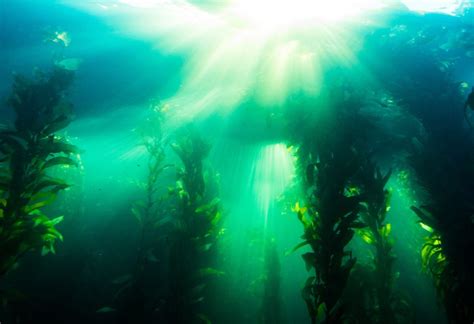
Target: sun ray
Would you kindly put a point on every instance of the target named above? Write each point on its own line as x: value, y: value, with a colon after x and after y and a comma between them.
x: 259, y: 50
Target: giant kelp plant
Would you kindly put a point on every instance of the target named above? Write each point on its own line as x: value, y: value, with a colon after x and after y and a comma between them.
x: 374, y: 212
x: 330, y: 162
x: 329, y: 222
x: 344, y: 193
x: 441, y: 159
x: 150, y: 212
x: 386, y: 304
x: 442, y: 162
x: 447, y: 213
x: 193, y: 241
x: 133, y: 302
x: 28, y: 151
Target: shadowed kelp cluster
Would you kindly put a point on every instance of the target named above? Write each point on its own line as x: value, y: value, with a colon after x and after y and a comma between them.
x: 440, y: 158
x: 29, y: 151
x: 446, y: 211
x: 386, y: 304
x: 328, y: 228
x: 193, y: 247
x: 181, y: 224
x: 345, y: 194
x: 272, y: 302
x: 133, y: 301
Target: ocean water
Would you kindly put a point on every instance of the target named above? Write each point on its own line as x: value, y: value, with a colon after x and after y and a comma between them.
x: 236, y: 161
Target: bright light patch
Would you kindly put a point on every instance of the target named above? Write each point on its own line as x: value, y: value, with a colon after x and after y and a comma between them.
x: 426, y: 227
x: 442, y: 6
x: 139, y: 3
x: 299, y: 12
x: 240, y: 50
x: 272, y: 173
x: 261, y: 50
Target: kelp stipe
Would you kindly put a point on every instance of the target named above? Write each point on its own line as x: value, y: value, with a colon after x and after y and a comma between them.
x: 193, y: 241
x: 447, y: 215
x: 388, y: 305
x: 272, y: 305
x: 150, y: 212
x: 133, y: 305
x: 27, y: 152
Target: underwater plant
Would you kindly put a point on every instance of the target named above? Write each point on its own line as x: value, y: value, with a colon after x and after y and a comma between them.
x: 329, y: 222
x: 28, y: 151
x: 331, y: 151
x: 131, y: 301
x: 271, y: 308
x: 193, y: 241
x: 328, y: 162
x: 373, y: 212
x: 150, y: 212
x: 441, y: 159
x: 447, y: 215
x: 388, y: 305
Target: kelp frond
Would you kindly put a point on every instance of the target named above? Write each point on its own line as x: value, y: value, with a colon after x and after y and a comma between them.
x: 27, y: 153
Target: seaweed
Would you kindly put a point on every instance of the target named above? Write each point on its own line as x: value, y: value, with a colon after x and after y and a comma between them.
x: 388, y: 305
x: 377, y: 234
x: 28, y: 151
x: 329, y: 222
x: 444, y: 173
x: 359, y: 294
x: 194, y: 238
x: 442, y: 161
x: 331, y: 156
x: 151, y: 212
x: 330, y: 216
x: 131, y: 302
x: 271, y: 308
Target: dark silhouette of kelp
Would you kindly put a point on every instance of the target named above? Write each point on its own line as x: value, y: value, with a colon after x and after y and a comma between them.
x: 194, y: 238
x: 444, y: 172
x: 132, y: 302
x: 329, y: 222
x: 441, y: 158
x: 387, y: 304
x: 272, y: 305
x: 329, y: 162
x: 345, y: 193
x: 28, y: 151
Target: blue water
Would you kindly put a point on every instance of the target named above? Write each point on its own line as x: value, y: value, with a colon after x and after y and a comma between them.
x: 243, y: 85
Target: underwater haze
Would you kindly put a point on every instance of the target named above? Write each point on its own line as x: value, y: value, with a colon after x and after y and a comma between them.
x: 236, y: 161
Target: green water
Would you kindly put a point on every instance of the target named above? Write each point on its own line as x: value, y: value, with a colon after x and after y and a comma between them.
x: 231, y: 161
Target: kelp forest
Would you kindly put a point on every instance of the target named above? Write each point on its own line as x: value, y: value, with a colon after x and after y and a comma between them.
x: 223, y: 162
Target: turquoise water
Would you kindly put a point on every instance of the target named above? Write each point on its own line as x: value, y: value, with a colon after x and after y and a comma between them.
x: 254, y: 113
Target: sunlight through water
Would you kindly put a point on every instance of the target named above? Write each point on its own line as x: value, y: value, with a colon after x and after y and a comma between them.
x: 240, y: 50
x: 265, y: 51
x: 272, y: 172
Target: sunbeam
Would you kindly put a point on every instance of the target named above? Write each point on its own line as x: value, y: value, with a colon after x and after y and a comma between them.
x: 265, y: 51
x: 242, y: 50
x: 272, y: 173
